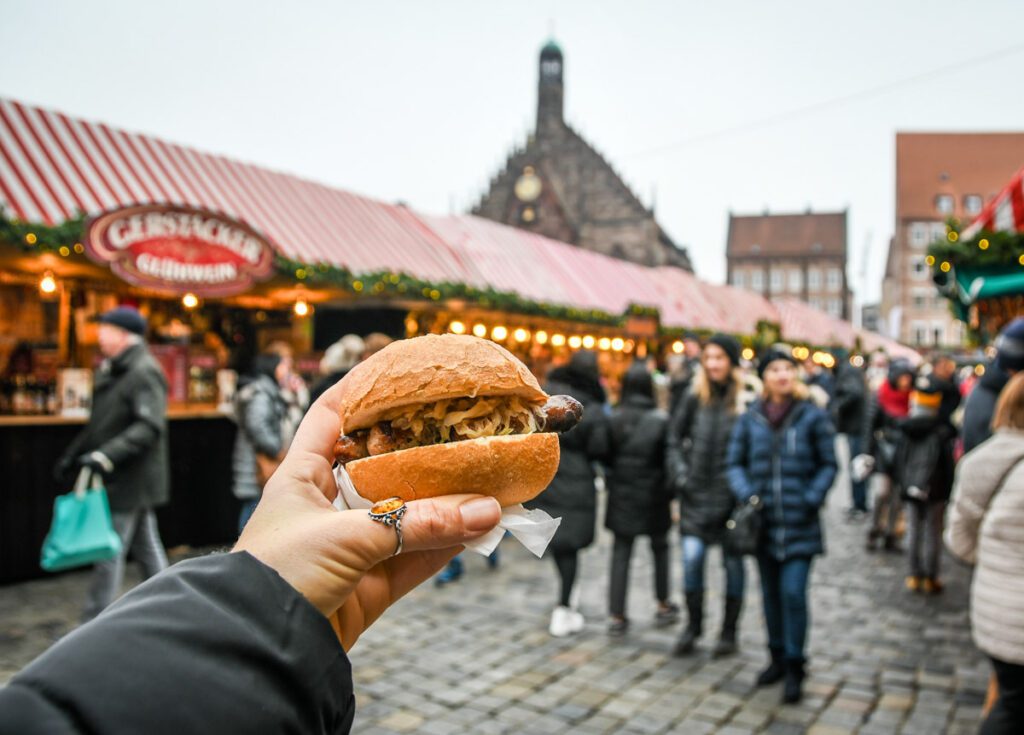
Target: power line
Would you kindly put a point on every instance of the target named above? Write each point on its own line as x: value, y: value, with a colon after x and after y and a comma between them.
x: 833, y: 102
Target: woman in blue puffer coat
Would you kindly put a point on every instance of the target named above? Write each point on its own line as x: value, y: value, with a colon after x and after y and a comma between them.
x: 782, y: 451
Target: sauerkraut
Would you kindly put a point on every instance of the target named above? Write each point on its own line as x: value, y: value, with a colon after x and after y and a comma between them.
x: 462, y: 418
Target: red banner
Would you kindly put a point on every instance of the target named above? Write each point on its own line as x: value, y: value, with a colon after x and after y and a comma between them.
x: 179, y: 249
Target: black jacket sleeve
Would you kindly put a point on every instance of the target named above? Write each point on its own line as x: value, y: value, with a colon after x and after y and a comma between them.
x: 679, y: 426
x: 220, y: 644
x: 149, y: 419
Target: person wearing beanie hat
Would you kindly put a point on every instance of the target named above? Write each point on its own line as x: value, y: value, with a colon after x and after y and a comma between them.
x: 878, y: 442
x: 782, y: 452
x: 773, y: 354
x: 125, y: 442
x: 980, y: 406
x: 698, y: 437
x: 339, y: 358
x: 924, y: 470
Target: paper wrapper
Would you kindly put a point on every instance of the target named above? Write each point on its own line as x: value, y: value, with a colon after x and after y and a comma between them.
x: 534, y: 529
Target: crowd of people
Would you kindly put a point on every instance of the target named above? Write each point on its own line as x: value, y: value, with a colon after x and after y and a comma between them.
x: 714, y: 438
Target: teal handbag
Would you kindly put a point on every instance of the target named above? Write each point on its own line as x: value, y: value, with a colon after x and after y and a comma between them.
x: 81, y: 532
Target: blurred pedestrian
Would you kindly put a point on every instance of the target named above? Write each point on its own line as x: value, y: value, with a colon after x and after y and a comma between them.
x: 879, y: 440
x: 698, y: 439
x: 263, y: 430
x: 453, y: 570
x: 848, y: 407
x: 338, y: 359
x: 374, y: 343
x: 981, y: 402
x: 293, y: 390
x: 125, y: 441
x: 783, y: 450
x: 943, y: 377
x: 924, y: 471
x: 817, y: 377
x: 986, y: 528
x: 572, y: 495
x: 638, y: 498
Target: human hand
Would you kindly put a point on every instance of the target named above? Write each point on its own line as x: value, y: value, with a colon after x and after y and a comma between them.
x: 92, y: 462
x: 862, y: 466
x: 342, y: 561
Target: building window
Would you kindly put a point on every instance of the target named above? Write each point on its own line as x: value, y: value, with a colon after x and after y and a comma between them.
x: 776, y: 276
x: 835, y: 279
x: 757, y: 280
x: 919, y: 234
x: 972, y: 203
x: 795, y: 280
x: 922, y: 298
x: 938, y: 231
x: 835, y: 307
x: 919, y: 268
x: 813, y: 279
x: 737, y: 279
x: 919, y: 333
x: 944, y: 203
x: 938, y: 333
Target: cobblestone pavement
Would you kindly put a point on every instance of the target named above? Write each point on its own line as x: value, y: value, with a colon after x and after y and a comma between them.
x: 475, y: 656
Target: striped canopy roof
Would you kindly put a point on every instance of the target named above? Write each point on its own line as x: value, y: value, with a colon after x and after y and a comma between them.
x: 54, y: 167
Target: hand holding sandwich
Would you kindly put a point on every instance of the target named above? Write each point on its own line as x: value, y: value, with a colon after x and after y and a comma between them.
x: 342, y: 561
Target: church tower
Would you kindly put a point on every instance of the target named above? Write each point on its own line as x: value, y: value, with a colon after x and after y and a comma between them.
x: 550, y: 88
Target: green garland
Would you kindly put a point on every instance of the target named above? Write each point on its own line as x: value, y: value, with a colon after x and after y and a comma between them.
x: 43, y: 238
x: 986, y: 250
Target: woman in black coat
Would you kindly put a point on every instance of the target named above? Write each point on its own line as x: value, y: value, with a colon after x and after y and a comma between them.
x: 698, y: 439
x: 572, y: 496
x: 638, y: 502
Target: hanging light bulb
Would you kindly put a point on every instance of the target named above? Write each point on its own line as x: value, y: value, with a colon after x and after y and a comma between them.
x: 557, y: 340
x: 575, y: 341
x: 678, y: 347
x: 520, y: 335
x: 301, y: 308
x: 48, y: 284
x: 588, y: 341
x: 618, y: 343
x: 604, y: 343
x: 480, y: 330
x: 540, y: 336
x: 499, y: 333
x: 457, y: 328
x: 190, y: 301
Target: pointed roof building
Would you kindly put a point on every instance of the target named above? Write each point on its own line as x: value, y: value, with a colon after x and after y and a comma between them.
x: 559, y: 186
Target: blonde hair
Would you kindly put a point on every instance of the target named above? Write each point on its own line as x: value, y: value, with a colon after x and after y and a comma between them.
x: 734, y: 386
x: 1009, y: 412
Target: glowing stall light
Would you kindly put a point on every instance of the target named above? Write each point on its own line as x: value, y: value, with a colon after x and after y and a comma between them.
x: 301, y: 308
x: 457, y: 328
x: 190, y: 300
x: 541, y: 337
x: 480, y: 330
x: 575, y: 342
x: 557, y: 340
x: 678, y: 347
x: 48, y: 284
x: 618, y: 343
x: 521, y: 335
x: 499, y: 333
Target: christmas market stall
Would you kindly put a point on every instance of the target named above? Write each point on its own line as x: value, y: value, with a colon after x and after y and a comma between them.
x: 980, y: 269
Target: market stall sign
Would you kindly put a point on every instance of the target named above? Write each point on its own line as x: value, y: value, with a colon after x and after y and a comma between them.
x: 179, y: 249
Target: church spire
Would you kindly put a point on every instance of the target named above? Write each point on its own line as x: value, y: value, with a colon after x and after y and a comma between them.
x: 550, y: 87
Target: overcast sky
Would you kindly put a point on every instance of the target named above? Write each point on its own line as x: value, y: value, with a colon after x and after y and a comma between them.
x: 710, y: 105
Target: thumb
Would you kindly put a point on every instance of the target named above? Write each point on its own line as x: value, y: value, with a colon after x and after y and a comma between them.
x: 432, y: 523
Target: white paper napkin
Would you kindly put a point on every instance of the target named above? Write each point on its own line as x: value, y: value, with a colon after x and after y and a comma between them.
x: 534, y: 529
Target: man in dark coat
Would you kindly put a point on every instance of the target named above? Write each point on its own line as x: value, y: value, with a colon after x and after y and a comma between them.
x: 981, y: 403
x: 638, y: 499
x: 848, y: 408
x: 125, y: 441
x: 571, y: 495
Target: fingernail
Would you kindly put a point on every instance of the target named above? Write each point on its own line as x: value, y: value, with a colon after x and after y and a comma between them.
x: 480, y: 514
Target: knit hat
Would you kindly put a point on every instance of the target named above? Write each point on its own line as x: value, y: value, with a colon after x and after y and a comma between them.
x: 926, y: 397
x: 771, y: 356
x: 343, y: 354
x: 1010, y: 346
x: 127, y: 318
x: 730, y: 346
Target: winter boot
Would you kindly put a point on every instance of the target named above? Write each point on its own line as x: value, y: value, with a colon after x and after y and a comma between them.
x: 792, y: 689
x: 694, y: 626
x: 775, y: 670
x: 726, y: 645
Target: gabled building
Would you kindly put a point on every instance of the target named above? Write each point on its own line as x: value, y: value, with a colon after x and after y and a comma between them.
x: 559, y: 186
x: 938, y: 175
x: 795, y: 255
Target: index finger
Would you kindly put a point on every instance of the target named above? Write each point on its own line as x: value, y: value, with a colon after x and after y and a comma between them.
x: 320, y: 427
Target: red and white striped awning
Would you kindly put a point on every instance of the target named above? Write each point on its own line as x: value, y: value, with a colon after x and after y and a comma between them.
x: 1004, y: 213
x: 53, y: 167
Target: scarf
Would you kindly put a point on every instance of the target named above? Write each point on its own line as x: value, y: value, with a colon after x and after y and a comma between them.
x: 895, y: 403
x: 776, y: 412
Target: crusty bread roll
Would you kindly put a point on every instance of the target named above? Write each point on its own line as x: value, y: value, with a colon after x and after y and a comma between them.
x: 423, y: 370
x: 428, y: 369
x: 513, y: 469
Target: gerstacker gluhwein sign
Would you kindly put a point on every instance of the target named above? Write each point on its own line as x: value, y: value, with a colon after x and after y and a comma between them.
x: 179, y: 249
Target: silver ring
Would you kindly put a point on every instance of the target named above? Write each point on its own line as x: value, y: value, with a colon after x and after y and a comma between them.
x: 390, y: 512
